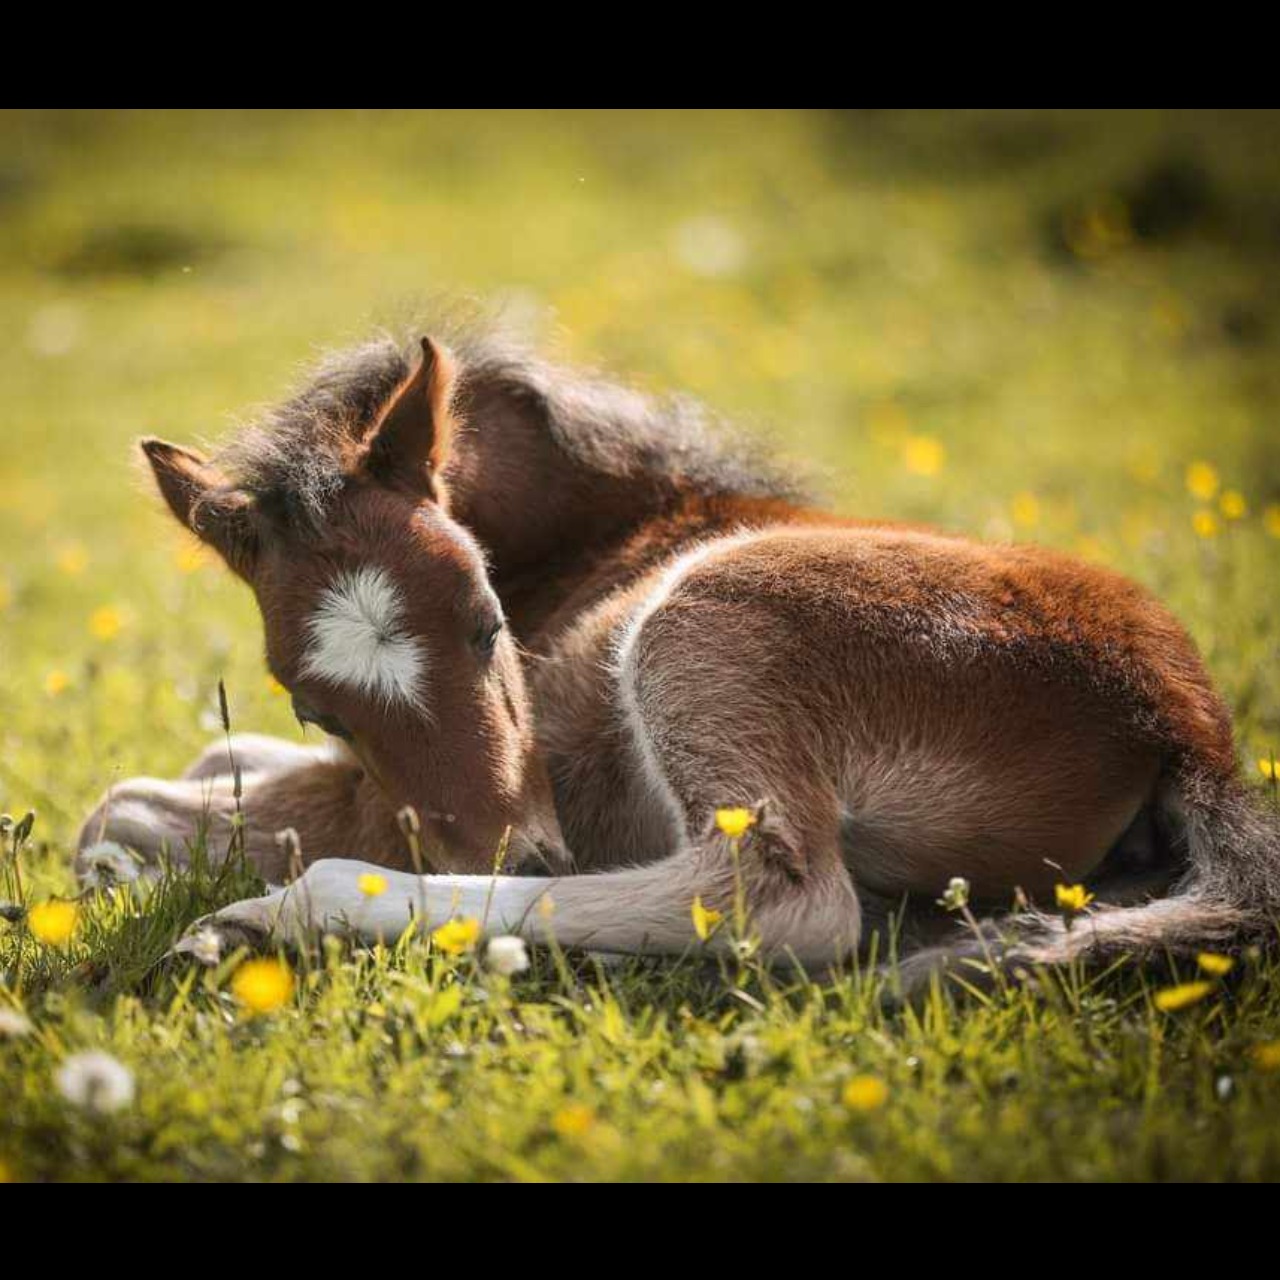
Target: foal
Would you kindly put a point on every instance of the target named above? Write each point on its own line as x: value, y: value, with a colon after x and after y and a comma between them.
x: 895, y: 707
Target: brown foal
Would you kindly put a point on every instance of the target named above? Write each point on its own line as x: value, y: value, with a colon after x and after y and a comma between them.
x: 525, y: 600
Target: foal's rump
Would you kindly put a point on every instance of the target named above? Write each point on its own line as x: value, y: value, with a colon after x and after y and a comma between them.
x: 919, y: 707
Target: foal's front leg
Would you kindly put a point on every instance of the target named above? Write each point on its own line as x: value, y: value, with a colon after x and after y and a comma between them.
x: 641, y: 911
x: 329, y: 801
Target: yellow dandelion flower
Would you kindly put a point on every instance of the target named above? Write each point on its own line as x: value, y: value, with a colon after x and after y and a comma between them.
x: 865, y: 1093
x: 56, y: 682
x: 704, y: 919
x: 1233, y: 504
x: 1269, y: 768
x: 1271, y: 519
x: 72, y: 560
x: 1072, y: 897
x: 457, y: 936
x: 1172, y: 999
x: 263, y: 986
x: 1203, y: 481
x: 1266, y: 1057
x: 275, y: 687
x: 105, y: 623
x: 1025, y: 510
x: 735, y: 823
x: 53, y: 922
x: 191, y: 557
x: 1205, y: 523
x: 1214, y: 965
x: 573, y: 1121
x: 372, y: 885
x: 923, y: 455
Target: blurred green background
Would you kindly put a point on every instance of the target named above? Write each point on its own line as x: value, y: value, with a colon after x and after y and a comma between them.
x: 1060, y: 325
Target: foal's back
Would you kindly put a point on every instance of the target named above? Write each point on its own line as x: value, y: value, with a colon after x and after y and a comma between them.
x: 915, y: 706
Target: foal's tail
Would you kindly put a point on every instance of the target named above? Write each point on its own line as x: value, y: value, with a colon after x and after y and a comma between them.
x: 1228, y: 897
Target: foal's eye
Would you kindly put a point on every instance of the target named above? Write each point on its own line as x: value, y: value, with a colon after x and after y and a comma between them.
x: 486, y: 637
x: 329, y: 724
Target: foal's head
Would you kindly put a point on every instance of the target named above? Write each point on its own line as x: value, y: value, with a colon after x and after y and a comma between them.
x: 381, y: 623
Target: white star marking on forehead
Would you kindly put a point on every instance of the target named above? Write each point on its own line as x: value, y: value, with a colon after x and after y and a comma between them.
x: 358, y: 639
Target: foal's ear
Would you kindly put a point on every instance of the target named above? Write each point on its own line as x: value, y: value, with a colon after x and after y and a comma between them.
x: 199, y: 496
x: 409, y: 445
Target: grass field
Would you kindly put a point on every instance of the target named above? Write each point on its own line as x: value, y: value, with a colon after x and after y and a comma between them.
x: 1059, y: 326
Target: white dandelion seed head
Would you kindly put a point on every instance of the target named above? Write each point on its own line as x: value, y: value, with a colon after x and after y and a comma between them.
x: 96, y: 1081
x: 507, y: 956
x: 107, y: 863
x: 14, y: 1025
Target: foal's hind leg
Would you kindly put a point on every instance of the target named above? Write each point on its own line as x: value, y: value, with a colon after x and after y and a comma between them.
x: 710, y: 734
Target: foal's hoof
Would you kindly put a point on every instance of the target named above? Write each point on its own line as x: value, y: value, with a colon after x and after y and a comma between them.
x: 212, y: 939
x: 107, y: 863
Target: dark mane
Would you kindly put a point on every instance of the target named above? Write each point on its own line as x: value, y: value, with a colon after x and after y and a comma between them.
x: 293, y: 456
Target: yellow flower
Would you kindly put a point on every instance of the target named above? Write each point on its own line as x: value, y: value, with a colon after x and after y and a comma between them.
x: 1025, y: 510
x: 457, y: 936
x: 735, y: 823
x: 1203, y: 481
x: 923, y: 455
x: 1233, y: 505
x: 1266, y: 1057
x: 190, y: 557
x: 573, y: 1121
x: 105, y: 623
x: 1269, y: 768
x: 372, y: 885
x: 56, y: 682
x: 1072, y: 897
x: 1271, y: 519
x: 1214, y: 965
x: 275, y: 687
x: 1172, y: 999
x: 73, y: 560
x: 1205, y: 523
x: 704, y: 919
x: 53, y: 922
x: 262, y: 986
x: 865, y: 1093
